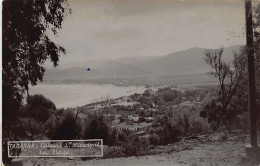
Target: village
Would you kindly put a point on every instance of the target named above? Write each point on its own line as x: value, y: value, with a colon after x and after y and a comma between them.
x: 138, y: 113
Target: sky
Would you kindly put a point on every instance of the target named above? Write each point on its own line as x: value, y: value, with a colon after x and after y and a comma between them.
x: 112, y: 29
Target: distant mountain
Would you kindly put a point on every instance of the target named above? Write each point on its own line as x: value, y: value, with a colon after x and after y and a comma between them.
x: 183, y: 63
x: 186, y: 62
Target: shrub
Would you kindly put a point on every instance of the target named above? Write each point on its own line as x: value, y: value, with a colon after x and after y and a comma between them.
x: 199, y: 127
x: 68, y: 129
x: 123, y: 136
x: 143, y: 100
x: 136, y: 147
x: 186, y: 124
x: 114, y: 151
x: 154, y: 139
x: 147, y: 93
x: 170, y: 95
x: 98, y: 129
x: 40, y: 107
x: 167, y: 132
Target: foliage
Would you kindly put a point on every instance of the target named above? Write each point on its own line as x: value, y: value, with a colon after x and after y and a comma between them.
x: 40, y: 107
x: 26, y: 46
x: 98, y: 129
x: 136, y: 147
x: 114, y: 151
x: 154, y: 139
x: 232, y: 84
x: 123, y: 136
x: 11, y: 101
x: 69, y: 129
x: 143, y: 100
x: 166, y: 131
x: 186, y: 124
x: 256, y: 27
x: 170, y: 95
x: 147, y: 93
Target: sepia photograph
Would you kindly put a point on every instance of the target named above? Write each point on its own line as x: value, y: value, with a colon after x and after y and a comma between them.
x: 130, y: 83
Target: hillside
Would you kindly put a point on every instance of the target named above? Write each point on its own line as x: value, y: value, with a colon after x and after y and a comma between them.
x: 215, y: 149
x: 187, y: 63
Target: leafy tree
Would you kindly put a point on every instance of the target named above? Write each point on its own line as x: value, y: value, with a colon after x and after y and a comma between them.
x: 232, y: 81
x: 98, y: 129
x: 69, y: 129
x: 166, y: 131
x: 147, y: 93
x: 154, y: 139
x: 170, y: 95
x: 40, y: 107
x: 26, y: 46
x: 232, y: 96
x: 11, y: 100
x: 143, y: 100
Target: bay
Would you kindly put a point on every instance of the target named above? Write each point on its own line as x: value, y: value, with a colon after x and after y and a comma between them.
x: 73, y: 95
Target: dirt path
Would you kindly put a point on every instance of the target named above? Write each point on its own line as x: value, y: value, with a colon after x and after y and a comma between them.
x: 216, y: 150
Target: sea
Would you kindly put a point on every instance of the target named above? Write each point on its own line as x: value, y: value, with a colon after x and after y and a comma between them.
x: 73, y: 95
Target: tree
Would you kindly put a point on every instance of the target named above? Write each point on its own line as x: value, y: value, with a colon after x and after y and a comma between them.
x: 26, y: 46
x: 256, y: 28
x: 98, y: 129
x: 41, y: 108
x: 232, y: 81
x: 147, y: 93
x: 143, y: 100
x: 170, y: 95
x: 69, y: 129
x: 233, y: 87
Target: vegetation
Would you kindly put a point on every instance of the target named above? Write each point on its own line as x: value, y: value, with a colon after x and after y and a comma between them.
x: 40, y: 108
x: 232, y: 87
x: 69, y: 129
x: 23, y: 53
x: 98, y: 129
x: 154, y: 118
x: 229, y: 106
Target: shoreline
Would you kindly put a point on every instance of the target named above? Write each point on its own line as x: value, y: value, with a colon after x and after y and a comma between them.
x: 79, y: 95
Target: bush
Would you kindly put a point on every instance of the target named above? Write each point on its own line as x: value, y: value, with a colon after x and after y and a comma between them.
x: 167, y: 132
x: 186, y: 124
x: 234, y: 116
x: 143, y: 100
x: 98, y: 129
x: 147, y: 93
x: 40, y: 107
x: 68, y: 129
x: 136, y: 147
x: 123, y: 136
x: 199, y: 127
x: 154, y: 139
x: 170, y: 95
x: 114, y: 151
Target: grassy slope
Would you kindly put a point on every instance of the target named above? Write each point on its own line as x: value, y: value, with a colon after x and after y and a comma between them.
x: 214, y: 149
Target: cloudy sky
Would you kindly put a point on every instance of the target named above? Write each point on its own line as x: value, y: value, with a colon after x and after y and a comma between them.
x: 126, y: 28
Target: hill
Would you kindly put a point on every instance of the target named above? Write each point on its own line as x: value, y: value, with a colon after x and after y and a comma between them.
x: 189, y: 65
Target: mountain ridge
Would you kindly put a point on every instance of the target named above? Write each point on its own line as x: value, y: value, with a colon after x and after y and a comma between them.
x: 181, y: 63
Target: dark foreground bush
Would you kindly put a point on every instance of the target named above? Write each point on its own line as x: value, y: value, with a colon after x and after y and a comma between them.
x: 114, y: 151
x: 154, y: 139
x: 137, y: 147
x: 40, y: 107
x: 68, y: 129
x: 98, y: 129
